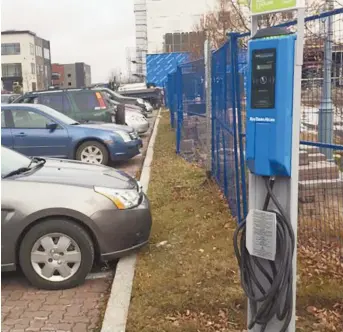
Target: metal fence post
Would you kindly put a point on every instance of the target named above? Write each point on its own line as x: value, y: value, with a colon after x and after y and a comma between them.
x: 234, y: 75
x: 325, y: 116
x: 178, y: 84
x: 238, y: 95
x: 208, y: 96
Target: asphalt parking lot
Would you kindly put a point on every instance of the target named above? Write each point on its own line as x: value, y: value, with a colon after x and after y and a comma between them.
x: 80, y: 309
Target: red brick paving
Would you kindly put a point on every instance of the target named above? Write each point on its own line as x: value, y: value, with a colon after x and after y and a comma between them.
x: 26, y: 309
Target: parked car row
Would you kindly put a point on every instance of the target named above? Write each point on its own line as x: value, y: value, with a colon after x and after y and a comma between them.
x: 79, y: 124
x: 61, y: 216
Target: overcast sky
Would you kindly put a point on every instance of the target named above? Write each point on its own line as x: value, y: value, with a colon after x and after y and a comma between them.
x: 96, y: 32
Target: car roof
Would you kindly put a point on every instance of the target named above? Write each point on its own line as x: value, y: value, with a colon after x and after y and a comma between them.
x: 54, y: 91
x: 30, y: 106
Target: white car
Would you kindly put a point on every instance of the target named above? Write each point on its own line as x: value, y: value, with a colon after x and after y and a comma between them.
x: 148, y: 106
x: 137, y: 121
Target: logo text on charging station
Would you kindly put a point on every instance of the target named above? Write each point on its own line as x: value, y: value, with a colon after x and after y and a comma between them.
x: 259, y: 119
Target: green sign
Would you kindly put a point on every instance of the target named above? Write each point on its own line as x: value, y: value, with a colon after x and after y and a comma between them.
x: 266, y: 6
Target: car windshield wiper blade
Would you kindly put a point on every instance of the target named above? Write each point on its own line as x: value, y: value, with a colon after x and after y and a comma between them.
x: 75, y: 123
x: 16, y: 172
x: 38, y: 160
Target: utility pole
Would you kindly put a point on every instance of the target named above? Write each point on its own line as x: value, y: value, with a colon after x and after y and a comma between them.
x: 326, y: 114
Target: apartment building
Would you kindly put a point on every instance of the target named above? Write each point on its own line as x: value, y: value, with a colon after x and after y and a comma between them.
x: 25, y: 61
x: 72, y: 75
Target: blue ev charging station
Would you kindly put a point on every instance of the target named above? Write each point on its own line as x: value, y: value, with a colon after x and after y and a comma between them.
x: 270, y: 103
x: 265, y: 242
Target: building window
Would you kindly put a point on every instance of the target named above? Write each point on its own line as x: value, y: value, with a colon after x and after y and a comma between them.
x: 10, y: 49
x: 46, y: 54
x: 33, y: 68
x: 55, y: 76
x: 39, y: 51
x: 69, y: 83
x: 11, y: 70
x: 46, y: 71
x: 69, y: 75
x: 32, y: 49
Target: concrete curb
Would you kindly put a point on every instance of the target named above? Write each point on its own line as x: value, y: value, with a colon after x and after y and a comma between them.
x: 119, y: 300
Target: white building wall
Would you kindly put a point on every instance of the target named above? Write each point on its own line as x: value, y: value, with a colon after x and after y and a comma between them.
x: 141, y: 36
x: 155, y: 18
x: 25, y: 57
x: 168, y: 16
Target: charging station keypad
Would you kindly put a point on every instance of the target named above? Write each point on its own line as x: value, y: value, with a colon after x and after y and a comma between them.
x: 263, y: 78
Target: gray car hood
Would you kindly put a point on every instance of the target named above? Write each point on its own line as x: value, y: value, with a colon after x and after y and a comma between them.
x: 80, y: 174
x: 107, y: 126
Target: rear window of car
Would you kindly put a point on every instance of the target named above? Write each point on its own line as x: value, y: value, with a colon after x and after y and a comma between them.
x: 87, y: 101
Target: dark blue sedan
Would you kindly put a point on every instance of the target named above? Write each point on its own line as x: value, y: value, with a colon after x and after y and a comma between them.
x: 38, y: 130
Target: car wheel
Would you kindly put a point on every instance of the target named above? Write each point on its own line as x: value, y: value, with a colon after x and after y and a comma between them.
x: 56, y: 254
x: 92, y: 152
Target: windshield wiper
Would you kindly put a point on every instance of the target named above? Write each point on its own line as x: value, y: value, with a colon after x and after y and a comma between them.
x: 75, y: 123
x: 16, y: 172
x: 38, y: 160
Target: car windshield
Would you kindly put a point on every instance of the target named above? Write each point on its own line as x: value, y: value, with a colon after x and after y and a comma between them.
x: 11, y: 160
x: 57, y: 115
x: 5, y: 98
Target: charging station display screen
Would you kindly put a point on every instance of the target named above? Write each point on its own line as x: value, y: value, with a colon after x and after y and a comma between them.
x: 263, y: 78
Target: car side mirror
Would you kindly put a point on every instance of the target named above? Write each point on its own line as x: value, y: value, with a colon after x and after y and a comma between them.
x: 51, y: 126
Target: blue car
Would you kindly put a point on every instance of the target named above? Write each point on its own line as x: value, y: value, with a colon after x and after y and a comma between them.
x: 38, y: 130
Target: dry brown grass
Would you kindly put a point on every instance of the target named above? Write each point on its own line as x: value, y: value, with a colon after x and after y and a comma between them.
x: 186, y: 279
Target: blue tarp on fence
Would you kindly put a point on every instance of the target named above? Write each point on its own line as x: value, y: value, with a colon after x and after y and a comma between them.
x: 158, y: 66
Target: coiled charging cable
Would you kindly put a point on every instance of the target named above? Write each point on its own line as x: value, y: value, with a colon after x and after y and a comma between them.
x: 275, y: 296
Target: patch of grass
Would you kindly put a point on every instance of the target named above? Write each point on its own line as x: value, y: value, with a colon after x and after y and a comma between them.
x: 192, y: 277
x: 187, y: 278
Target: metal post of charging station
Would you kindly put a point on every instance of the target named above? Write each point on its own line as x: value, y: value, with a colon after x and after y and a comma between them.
x: 285, y: 189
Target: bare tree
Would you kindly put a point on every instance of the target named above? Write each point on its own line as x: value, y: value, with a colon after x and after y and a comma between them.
x: 231, y: 16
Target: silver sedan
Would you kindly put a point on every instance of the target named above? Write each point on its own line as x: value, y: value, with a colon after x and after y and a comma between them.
x: 59, y: 216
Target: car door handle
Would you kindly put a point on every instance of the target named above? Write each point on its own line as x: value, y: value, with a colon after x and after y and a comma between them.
x: 20, y: 135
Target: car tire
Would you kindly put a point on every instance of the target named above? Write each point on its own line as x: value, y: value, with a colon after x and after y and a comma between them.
x: 43, y: 230
x: 120, y: 115
x: 89, y: 144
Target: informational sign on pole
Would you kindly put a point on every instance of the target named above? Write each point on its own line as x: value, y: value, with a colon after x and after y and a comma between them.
x: 258, y: 7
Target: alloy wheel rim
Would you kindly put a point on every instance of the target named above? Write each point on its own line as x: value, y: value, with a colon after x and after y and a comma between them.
x: 92, y: 154
x: 55, y: 257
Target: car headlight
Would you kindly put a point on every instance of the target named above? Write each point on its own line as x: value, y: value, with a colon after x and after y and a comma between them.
x: 122, y: 198
x: 124, y: 135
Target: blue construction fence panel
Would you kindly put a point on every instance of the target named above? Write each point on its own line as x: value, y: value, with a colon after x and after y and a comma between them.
x: 320, y: 201
x: 158, y: 66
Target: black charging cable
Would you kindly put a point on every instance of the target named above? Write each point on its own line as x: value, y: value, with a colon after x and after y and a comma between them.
x: 275, y: 296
